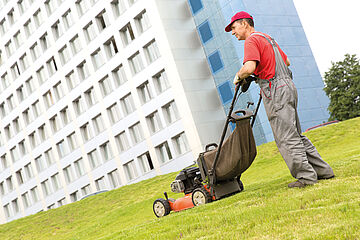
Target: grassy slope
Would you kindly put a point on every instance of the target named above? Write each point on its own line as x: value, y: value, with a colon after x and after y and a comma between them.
x: 267, y: 209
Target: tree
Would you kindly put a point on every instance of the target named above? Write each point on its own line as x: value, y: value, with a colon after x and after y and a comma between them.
x: 342, y: 86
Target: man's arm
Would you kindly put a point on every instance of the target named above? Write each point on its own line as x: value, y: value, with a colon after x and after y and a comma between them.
x: 246, y: 70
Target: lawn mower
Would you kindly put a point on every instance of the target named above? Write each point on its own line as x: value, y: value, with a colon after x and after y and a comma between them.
x: 219, y: 167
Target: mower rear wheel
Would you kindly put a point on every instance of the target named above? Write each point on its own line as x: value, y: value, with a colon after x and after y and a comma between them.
x: 161, y: 207
x: 200, y: 196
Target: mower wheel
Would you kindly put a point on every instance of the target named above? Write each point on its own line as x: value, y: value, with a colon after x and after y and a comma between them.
x: 161, y: 207
x: 200, y: 196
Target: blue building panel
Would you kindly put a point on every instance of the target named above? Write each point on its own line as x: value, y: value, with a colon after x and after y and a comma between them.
x: 196, y: 6
x: 205, y: 32
x: 215, y: 61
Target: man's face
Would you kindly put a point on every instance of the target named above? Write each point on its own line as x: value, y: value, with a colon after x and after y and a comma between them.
x: 238, y: 29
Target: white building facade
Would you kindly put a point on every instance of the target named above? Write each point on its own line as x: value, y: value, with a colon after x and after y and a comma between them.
x: 98, y: 94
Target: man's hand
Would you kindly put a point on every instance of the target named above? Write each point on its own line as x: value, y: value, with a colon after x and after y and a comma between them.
x: 236, y: 79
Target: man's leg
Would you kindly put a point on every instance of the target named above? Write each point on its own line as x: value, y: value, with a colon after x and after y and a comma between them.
x: 281, y: 111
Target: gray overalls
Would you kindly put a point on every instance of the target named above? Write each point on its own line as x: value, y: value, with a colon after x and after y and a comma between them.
x: 280, y: 101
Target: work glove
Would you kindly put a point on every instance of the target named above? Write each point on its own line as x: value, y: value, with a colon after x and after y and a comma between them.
x: 245, y: 84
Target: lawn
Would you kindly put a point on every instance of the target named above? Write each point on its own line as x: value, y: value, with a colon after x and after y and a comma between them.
x: 266, y: 209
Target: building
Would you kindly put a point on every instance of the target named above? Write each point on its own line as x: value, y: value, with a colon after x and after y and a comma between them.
x: 98, y: 94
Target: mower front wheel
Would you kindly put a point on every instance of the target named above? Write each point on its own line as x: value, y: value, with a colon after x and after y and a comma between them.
x: 161, y: 207
x: 200, y: 196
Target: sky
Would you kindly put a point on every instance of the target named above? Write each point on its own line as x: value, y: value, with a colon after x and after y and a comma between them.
x: 332, y: 28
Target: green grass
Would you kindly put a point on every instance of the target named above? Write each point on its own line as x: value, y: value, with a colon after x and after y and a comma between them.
x: 267, y: 209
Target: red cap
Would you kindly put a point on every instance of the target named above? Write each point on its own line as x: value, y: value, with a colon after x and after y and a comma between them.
x: 237, y: 16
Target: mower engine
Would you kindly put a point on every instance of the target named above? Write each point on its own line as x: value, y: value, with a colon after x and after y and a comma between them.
x: 187, y: 180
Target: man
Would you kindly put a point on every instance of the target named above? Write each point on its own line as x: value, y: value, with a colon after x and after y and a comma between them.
x: 264, y: 58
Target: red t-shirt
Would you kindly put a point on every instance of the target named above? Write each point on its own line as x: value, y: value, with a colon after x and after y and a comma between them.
x: 257, y: 48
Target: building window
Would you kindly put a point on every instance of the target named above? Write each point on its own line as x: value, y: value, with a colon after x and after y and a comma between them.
x: 27, y: 116
x: 20, y: 93
x: 65, y: 116
x: 15, y: 205
x: 73, y: 143
x: 10, y: 48
x: 130, y: 170
x: 196, y: 6
x: 4, y: 162
x: 72, y: 80
x: 114, y: 113
x: 51, y: 65
x: 83, y: 6
x: 50, y: 6
x: 144, y: 92
x: 142, y: 22
x: 57, y: 29
x: 64, y: 55
x: 102, y: 20
x: 24, y: 62
x: 62, y: 149
x: 127, y: 104
x: 42, y: 133
x: 33, y: 140
x: 79, y: 106
x: 18, y: 39
x: 114, y: 179
x: 127, y: 34
x: 11, y: 103
x: 83, y: 70
x: 68, y: 174
x: 56, y: 182
x: 136, y: 133
x: 106, y: 151
x: 29, y: 28
x: 46, y: 187
x: 118, y: 7
x: 151, y: 52
x: 28, y: 171
x: 30, y: 85
x: 170, y: 112
x: 98, y: 124
x: 38, y: 18
x: 49, y: 156
x: 41, y: 74
x: 225, y: 91
x: 90, y: 97
x: 14, y: 152
x: 75, y: 45
x: 44, y: 41
x: 100, y: 184
x: 90, y: 32
x: 74, y: 196
x: 19, y: 176
x: 105, y: 86
x: 136, y: 64
x: 216, y: 64
x: 55, y: 123
x: 97, y: 58
x: 35, y: 51
x: 164, y: 152
x: 26, y: 199
x: 23, y: 6
x: 122, y: 141
x: 180, y: 143
x: 86, y: 132
x: 79, y: 167
x: 5, y: 80
x: 119, y: 76
x: 161, y: 82
x: 86, y: 190
x: 94, y: 159
x: 205, y: 32
x: 9, y: 184
x: 58, y: 90
x: 68, y: 19
x: 62, y: 202
x: 15, y: 71
x: 111, y: 48
x: 7, y: 211
x: 154, y: 122
x: 145, y: 162
x: 34, y: 194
